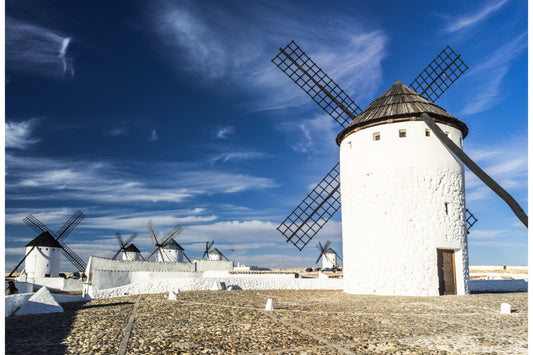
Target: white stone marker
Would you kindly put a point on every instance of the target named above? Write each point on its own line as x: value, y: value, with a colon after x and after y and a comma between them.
x: 42, y: 301
x: 506, y: 308
x: 172, y: 295
x: 270, y: 305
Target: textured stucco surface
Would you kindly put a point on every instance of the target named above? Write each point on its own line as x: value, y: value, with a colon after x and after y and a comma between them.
x: 41, y: 261
x: 402, y: 199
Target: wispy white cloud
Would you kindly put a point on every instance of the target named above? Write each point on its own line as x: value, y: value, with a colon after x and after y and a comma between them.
x: 216, y: 42
x: 36, y: 49
x: 458, y: 23
x: 487, y: 77
x: 117, y: 132
x: 57, y: 179
x: 225, y: 132
x: 315, y: 135
x: 153, y: 136
x: 239, y: 156
x: 18, y: 134
x: 507, y: 164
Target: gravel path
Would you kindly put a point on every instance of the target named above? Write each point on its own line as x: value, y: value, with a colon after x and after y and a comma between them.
x: 303, y: 322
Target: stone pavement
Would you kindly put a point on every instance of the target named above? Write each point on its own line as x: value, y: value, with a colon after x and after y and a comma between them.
x: 303, y: 322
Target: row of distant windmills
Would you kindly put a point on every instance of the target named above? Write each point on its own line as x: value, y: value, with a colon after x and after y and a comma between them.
x: 42, y: 254
x: 166, y: 248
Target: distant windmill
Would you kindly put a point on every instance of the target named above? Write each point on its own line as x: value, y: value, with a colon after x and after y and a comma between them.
x: 124, y: 245
x: 164, y: 254
x: 403, y: 192
x: 328, y: 255
x: 48, y: 239
x: 213, y: 253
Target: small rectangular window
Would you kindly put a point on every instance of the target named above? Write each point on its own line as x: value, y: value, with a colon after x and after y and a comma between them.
x: 402, y: 133
x: 446, y: 207
x: 377, y: 136
x: 428, y: 133
x: 350, y: 145
x: 447, y: 133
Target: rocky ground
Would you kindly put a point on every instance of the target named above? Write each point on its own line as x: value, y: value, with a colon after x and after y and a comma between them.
x: 303, y: 322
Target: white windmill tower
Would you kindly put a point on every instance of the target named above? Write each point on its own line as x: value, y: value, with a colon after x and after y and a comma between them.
x: 128, y: 249
x: 404, y: 220
x: 43, y: 257
x: 168, y: 250
x: 213, y: 253
x: 328, y: 255
x: 43, y: 253
x: 131, y: 252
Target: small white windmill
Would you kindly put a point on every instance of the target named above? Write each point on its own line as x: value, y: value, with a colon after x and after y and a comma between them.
x: 328, y: 255
x: 168, y: 249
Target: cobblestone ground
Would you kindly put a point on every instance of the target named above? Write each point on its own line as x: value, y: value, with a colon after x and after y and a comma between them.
x: 303, y: 322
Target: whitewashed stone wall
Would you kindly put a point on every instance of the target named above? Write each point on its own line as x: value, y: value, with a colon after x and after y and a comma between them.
x: 199, y: 284
x: 402, y: 199
x: 107, y: 273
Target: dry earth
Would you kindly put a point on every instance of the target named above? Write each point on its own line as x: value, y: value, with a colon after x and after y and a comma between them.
x: 304, y: 322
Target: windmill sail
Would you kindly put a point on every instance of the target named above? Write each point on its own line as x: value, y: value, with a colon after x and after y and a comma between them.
x: 493, y: 185
x: 310, y: 216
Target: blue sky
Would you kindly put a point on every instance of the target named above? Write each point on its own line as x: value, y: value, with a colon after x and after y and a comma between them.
x: 172, y: 111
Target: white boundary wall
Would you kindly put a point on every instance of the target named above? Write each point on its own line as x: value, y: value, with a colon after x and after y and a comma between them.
x: 252, y: 282
x: 107, y: 273
x: 402, y: 199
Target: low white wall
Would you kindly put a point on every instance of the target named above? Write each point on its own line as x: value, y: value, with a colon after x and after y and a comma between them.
x: 59, y: 283
x: 498, y: 267
x: 198, y: 284
x: 14, y: 302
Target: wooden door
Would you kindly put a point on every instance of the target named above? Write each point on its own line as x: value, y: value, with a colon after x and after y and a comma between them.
x: 446, y: 269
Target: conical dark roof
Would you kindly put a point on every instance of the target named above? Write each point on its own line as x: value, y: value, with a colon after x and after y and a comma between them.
x: 171, y: 244
x: 400, y: 103
x: 45, y: 239
x: 131, y: 249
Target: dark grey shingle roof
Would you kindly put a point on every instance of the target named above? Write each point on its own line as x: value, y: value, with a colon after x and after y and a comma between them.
x: 171, y: 244
x: 45, y: 239
x: 400, y: 102
x: 131, y: 249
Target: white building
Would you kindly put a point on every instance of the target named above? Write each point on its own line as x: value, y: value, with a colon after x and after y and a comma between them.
x: 43, y: 256
x: 329, y: 259
x: 131, y: 252
x: 170, y: 251
x: 215, y: 255
x: 403, y: 200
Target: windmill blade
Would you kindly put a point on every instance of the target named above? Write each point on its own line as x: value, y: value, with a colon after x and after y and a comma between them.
x: 152, y: 253
x: 130, y: 239
x: 174, y: 231
x: 210, y: 245
x: 116, y: 254
x: 317, y: 260
x: 32, y: 222
x: 186, y: 257
x: 153, y: 234
x: 327, y: 245
x: 318, y: 85
x: 493, y: 185
x: 69, y: 225
x: 439, y: 75
x: 470, y: 220
x: 121, y: 243
x: 24, y: 258
x: 320, y: 247
x: 206, y: 249
x: 73, y: 258
x: 304, y: 222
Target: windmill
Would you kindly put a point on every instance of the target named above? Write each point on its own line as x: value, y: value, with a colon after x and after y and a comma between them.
x: 328, y: 255
x: 123, y: 245
x: 306, y: 220
x: 164, y: 254
x: 213, y: 253
x: 59, y: 237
